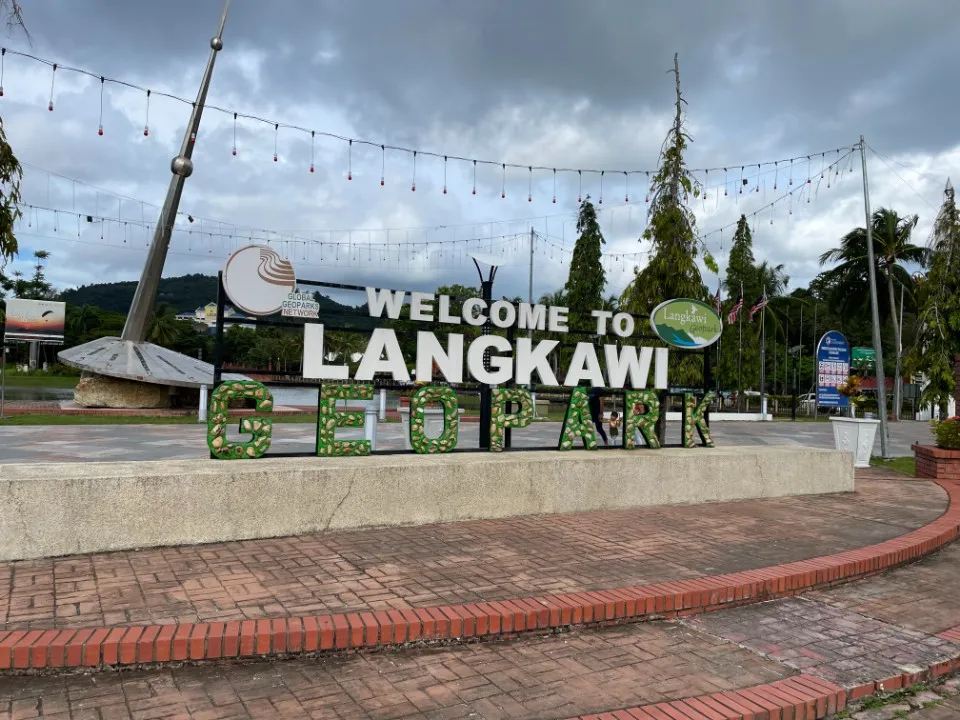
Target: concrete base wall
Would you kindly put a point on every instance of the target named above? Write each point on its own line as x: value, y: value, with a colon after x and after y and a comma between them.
x: 59, y: 509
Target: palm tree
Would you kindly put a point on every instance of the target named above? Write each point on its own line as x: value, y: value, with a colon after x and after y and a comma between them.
x: 163, y: 329
x: 892, y: 249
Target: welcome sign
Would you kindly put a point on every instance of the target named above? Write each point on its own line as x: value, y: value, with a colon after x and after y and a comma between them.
x: 639, y: 371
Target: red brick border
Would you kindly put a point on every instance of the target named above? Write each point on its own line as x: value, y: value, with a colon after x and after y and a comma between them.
x: 935, y: 463
x: 801, y: 697
x: 22, y: 650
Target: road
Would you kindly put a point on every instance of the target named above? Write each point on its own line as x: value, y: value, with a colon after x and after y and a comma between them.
x: 83, y: 443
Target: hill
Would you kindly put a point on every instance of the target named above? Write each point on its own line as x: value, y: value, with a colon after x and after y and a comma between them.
x: 185, y: 293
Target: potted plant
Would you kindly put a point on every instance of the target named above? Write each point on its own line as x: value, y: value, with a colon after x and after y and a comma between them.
x: 855, y: 435
x: 942, y: 460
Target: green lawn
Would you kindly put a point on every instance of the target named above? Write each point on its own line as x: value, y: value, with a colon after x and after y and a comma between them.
x: 907, y: 464
x: 50, y: 381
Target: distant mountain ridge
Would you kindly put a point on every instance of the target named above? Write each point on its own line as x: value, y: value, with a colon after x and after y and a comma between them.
x: 185, y: 293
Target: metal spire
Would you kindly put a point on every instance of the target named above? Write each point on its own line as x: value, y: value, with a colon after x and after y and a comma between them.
x: 141, y: 309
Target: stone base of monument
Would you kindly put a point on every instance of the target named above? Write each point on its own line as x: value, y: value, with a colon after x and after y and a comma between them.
x: 59, y: 509
x: 100, y: 391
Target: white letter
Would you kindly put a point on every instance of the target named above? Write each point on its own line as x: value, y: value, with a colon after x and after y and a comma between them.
x: 660, y: 370
x: 450, y: 362
x: 421, y: 306
x: 584, y: 366
x: 532, y: 317
x: 313, y: 366
x: 383, y: 340
x: 377, y: 299
x: 602, y: 316
x: 626, y: 362
x: 468, y: 306
x: 445, y: 316
x: 558, y: 319
x: 502, y: 366
x: 623, y: 324
x: 529, y: 360
x: 503, y: 319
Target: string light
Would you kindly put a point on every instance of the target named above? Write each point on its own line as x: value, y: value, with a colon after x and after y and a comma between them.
x: 146, y: 121
x: 474, y: 177
x: 444, y: 174
x: 580, y: 193
x: 383, y: 164
x: 102, y: 83
x: 600, y: 201
x: 626, y: 187
x: 350, y: 160
x: 234, y: 134
x: 53, y: 79
x: 413, y: 186
x: 503, y: 182
x: 312, y: 140
x: 530, y: 184
x: 554, y: 186
x: 276, y: 139
x: 350, y: 141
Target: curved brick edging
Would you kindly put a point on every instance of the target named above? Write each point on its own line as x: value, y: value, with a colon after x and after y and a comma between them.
x: 143, y: 644
x: 804, y: 696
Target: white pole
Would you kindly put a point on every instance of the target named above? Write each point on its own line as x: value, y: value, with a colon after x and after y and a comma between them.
x: 763, y: 358
x: 370, y: 426
x: 3, y: 378
x: 202, y: 414
x: 383, y: 403
x: 874, y: 309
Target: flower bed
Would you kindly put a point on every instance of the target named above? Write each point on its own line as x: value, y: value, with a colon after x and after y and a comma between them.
x: 942, y: 461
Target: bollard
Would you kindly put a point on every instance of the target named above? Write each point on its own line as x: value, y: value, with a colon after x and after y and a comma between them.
x: 202, y: 414
x: 383, y: 404
x: 370, y: 426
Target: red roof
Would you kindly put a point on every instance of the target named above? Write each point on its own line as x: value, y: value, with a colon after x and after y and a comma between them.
x: 870, y: 383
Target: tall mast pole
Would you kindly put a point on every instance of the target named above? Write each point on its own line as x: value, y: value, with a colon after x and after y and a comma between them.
x: 141, y: 309
x: 874, y: 310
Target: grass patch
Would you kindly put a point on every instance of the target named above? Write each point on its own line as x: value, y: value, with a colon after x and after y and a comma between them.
x: 905, y: 464
x: 41, y: 381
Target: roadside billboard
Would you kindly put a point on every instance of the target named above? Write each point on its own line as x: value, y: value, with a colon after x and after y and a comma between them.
x: 35, y: 321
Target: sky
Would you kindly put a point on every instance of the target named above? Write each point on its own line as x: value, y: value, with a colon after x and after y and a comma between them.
x: 535, y: 83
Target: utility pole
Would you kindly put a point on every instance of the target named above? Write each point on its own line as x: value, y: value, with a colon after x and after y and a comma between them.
x: 763, y: 358
x: 533, y: 237
x: 874, y: 310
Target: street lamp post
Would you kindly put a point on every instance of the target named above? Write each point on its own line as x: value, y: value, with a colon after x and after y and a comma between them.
x: 794, y: 351
x: 486, y: 393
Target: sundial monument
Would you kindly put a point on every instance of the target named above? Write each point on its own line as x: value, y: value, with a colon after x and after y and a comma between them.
x: 128, y: 368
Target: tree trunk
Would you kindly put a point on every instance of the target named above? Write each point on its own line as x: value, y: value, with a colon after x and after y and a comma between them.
x: 897, y: 384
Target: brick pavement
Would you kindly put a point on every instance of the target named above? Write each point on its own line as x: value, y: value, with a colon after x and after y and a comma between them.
x: 394, y: 568
x: 541, y: 677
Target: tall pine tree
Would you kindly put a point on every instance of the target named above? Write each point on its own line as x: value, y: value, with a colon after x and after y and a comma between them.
x: 740, y: 345
x: 587, y: 279
x: 672, y: 271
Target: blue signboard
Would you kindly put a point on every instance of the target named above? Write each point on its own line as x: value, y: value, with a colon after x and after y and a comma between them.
x: 833, y: 369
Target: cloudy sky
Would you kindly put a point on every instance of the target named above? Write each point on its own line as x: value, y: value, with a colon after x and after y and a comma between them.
x: 552, y: 83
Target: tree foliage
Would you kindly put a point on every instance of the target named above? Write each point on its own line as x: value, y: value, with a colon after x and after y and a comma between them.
x: 937, y: 345
x: 587, y: 279
x: 672, y: 271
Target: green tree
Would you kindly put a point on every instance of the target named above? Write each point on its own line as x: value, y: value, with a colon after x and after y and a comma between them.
x: 740, y: 347
x: 11, y: 173
x: 892, y: 249
x: 672, y: 271
x: 937, y: 348
x: 587, y: 279
x: 164, y: 328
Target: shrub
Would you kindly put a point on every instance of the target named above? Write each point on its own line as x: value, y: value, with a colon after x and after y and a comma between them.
x: 948, y: 433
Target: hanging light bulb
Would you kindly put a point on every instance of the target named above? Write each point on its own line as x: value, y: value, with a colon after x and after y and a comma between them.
x: 350, y: 160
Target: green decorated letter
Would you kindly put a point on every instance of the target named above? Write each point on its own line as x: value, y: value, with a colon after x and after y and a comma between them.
x: 329, y: 419
x: 577, y: 422
x: 641, y: 410
x: 693, y: 419
x: 500, y: 419
x: 451, y: 420
x: 260, y: 428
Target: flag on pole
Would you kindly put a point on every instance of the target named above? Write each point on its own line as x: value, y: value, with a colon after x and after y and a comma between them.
x: 735, y: 310
x: 717, y: 302
x: 758, y: 305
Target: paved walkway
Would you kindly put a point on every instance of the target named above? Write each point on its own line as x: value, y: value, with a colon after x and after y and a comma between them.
x: 487, y: 560
x: 75, y: 443
x: 846, y: 638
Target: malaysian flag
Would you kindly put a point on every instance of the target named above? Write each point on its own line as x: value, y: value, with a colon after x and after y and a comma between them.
x: 758, y: 305
x: 735, y: 310
x: 717, y: 302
